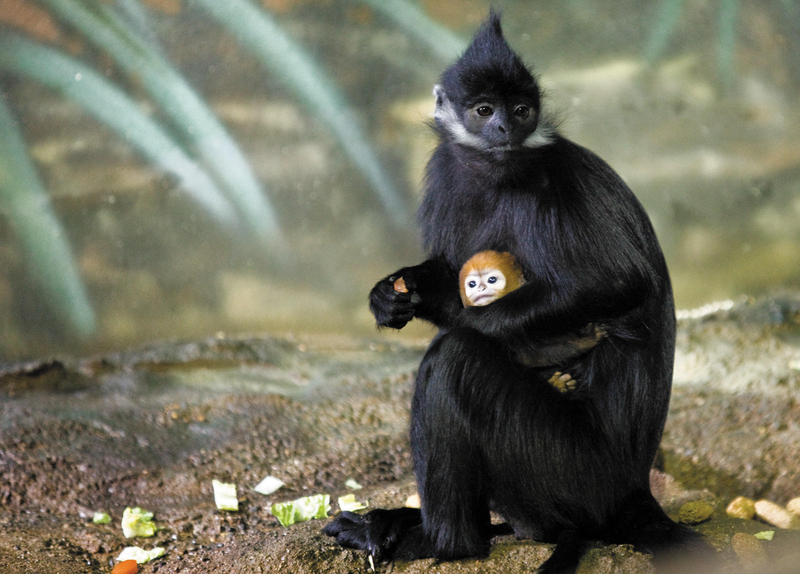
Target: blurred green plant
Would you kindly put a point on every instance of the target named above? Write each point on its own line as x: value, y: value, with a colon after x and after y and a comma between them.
x: 103, y: 25
x: 409, y: 17
x: 197, y: 150
x: 668, y: 17
x: 287, y: 59
x: 112, y: 106
x: 667, y: 20
x: 43, y: 241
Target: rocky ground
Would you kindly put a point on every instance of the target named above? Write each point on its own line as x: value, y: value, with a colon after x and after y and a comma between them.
x: 154, y: 426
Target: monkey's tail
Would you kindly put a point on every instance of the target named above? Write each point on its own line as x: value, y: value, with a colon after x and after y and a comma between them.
x: 675, y: 547
x: 642, y: 523
x: 565, y: 558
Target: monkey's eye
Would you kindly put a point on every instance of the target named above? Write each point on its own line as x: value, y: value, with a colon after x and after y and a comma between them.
x: 522, y: 112
x: 484, y: 111
x: 472, y: 284
x: 492, y: 279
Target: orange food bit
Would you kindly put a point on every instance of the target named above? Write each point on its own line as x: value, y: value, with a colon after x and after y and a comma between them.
x: 400, y: 286
x: 126, y: 567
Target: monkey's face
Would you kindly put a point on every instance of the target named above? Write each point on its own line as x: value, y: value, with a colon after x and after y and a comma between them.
x: 482, y: 286
x: 501, y: 123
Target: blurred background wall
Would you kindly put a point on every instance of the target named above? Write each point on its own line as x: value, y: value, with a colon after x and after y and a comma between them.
x: 173, y: 169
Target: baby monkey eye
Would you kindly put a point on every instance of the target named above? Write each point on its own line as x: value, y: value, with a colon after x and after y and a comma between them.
x: 471, y: 284
x: 522, y: 112
x: 492, y: 279
x: 484, y: 111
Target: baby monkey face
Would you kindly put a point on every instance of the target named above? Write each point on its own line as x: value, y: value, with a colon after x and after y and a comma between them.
x: 482, y: 286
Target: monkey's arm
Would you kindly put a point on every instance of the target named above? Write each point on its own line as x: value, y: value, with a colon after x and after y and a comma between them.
x: 530, y: 314
x: 431, y: 294
x: 556, y: 351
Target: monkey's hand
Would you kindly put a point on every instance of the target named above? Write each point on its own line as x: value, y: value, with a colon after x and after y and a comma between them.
x: 427, y: 291
x: 563, y: 382
x: 394, y: 299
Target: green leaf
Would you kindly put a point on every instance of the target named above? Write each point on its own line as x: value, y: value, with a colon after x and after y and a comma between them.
x: 349, y: 502
x: 112, y: 106
x: 225, y: 496
x: 139, y: 554
x: 104, y: 27
x: 302, y: 509
x: 279, y: 53
x: 43, y: 240
x: 137, y: 522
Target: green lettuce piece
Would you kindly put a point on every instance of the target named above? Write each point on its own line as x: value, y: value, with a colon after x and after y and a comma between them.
x: 101, y: 518
x: 302, y: 509
x: 139, y: 554
x: 137, y: 522
x: 269, y: 485
x: 225, y: 496
x: 352, y: 484
x: 765, y: 535
x: 349, y: 502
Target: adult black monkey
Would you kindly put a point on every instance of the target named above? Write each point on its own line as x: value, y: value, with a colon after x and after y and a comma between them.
x: 487, y: 432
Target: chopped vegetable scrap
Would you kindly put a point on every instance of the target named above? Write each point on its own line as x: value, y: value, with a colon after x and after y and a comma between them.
x: 349, y: 502
x: 269, y: 485
x: 225, y: 496
x: 139, y: 554
x: 302, y: 509
x: 765, y: 535
x: 126, y: 567
x: 137, y: 523
x: 352, y: 484
x: 101, y: 518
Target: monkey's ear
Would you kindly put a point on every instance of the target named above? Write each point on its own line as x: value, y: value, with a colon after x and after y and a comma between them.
x: 438, y: 93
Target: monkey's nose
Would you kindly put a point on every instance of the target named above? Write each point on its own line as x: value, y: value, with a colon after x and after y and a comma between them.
x: 502, y: 128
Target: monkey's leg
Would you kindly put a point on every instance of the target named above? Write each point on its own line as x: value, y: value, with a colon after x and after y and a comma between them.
x: 451, y: 427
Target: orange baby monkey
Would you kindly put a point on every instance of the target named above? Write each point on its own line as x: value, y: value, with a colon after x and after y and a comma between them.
x: 487, y: 276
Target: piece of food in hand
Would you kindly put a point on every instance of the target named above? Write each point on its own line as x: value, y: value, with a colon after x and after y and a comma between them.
x: 400, y: 286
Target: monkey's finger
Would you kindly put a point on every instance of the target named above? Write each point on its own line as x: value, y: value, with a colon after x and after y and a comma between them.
x: 404, y: 310
x: 398, y: 322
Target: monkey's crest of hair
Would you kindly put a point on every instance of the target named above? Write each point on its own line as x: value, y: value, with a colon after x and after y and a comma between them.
x: 489, y: 66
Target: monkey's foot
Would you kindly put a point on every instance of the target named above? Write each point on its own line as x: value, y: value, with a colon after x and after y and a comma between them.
x: 563, y: 382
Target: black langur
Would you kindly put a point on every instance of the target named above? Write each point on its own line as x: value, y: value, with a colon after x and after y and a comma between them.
x: 488, y: 432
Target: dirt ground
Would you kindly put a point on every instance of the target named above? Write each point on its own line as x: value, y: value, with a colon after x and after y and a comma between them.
x: 154, y: 426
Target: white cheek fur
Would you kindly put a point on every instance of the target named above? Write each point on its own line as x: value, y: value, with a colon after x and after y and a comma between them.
x: 445, y: 115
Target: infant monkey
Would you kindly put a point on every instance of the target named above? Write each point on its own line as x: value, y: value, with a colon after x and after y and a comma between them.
x: 489, y: 275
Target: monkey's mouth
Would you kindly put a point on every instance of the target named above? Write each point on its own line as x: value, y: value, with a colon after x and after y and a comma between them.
x: 481, y: 300
x: 504, y: 147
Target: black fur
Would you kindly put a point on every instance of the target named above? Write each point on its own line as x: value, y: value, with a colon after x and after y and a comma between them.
x: 486, y: 431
